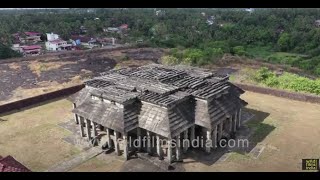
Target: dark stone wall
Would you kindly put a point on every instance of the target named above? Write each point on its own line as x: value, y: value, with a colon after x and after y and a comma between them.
x: 71, y: 90
x: 40, y: 98
x: 280, y: 93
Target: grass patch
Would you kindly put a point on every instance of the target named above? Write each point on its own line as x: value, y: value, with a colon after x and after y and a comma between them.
x: 38, y: 67
x: 234, y: 156
x: 261, y: 130
x: 284, y: 58
x: 287, y: 81
x: 259, y: 52
x: 244, y: 75
x: 14, y: 66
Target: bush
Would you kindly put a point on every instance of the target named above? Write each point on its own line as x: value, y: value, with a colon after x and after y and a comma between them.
x: 314, y: 52
x: 287, y: 81
x: 186, y: 61
x: 217, y: 52
x: 317, y: 70
x: 272, y: 81
x: 223, y: 45
x: 263, y: 74
x: 7, y: 52
x: 284, y: 42
x: 169, y: 60
x: 193, y: 55
x: 305, y: 65
x: 176, y: 52
x: 239, y: 50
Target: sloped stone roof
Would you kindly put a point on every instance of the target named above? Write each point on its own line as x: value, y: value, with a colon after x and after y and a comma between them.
x: 165, y: 100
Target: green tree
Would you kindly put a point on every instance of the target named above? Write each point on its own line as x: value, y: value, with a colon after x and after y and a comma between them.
x: 284, y: 42
x: 7, y: 52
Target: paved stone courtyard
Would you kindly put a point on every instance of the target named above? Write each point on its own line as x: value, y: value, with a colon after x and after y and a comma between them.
x: 143, y: 162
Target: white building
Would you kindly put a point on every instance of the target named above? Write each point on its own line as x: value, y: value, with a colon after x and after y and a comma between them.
x: 211, y: 20
x: 111, y: 29
x: 16, y: 47
x: 51, y: 36
x: 250, y: 10
x: 57, y: 45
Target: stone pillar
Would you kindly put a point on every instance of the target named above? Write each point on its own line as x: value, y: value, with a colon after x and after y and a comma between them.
x: 139, y: 138
x: 116, y: 144
x: 101, y: 127
x: 88, y: 129
x: 178, y: 148
x: 214, y: 137
x: 203, y: 138
x: 208, y: 140
x: 169, y: 153
x: 125, y: 147
x: 148, y: 142
x: 220, y: 130
x: 235, y: 121
x: 239, y: 118
x: 192, y: 135
x: 76, y: 119
x: 185, y: 141
x: 81, y: 126
x: 230, y: 124
x: 108, y: 137
x: 94, y: 128
x: 159, y: 152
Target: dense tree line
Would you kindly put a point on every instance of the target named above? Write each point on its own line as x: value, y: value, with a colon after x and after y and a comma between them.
x: 286, y: 30
x: 6, y: 52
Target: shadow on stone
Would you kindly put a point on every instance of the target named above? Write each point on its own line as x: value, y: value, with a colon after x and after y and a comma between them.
x: 253, y: 129
x: 171, y: 168
x: 258, y: 130
x: 2, y: 120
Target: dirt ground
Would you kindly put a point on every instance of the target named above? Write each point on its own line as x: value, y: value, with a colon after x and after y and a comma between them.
x: 41, y: 74
x: 101, y: 163
x: 287, y: 130
x: 33, y: 137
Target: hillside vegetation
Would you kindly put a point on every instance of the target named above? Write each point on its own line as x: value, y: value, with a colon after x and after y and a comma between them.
x: 284, y: 36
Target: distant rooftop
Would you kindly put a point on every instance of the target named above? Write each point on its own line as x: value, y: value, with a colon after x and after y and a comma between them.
x: 31, y: 47
x: 32, y: 33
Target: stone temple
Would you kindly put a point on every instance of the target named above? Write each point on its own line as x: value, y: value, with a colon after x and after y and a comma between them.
x: 157, y: 103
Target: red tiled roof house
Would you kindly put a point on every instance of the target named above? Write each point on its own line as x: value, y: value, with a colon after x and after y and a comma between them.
x: 9, y: 164
x: 33, y: 50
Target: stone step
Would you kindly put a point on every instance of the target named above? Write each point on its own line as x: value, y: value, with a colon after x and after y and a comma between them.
x: 162, y: 164
x: 75, y: 161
